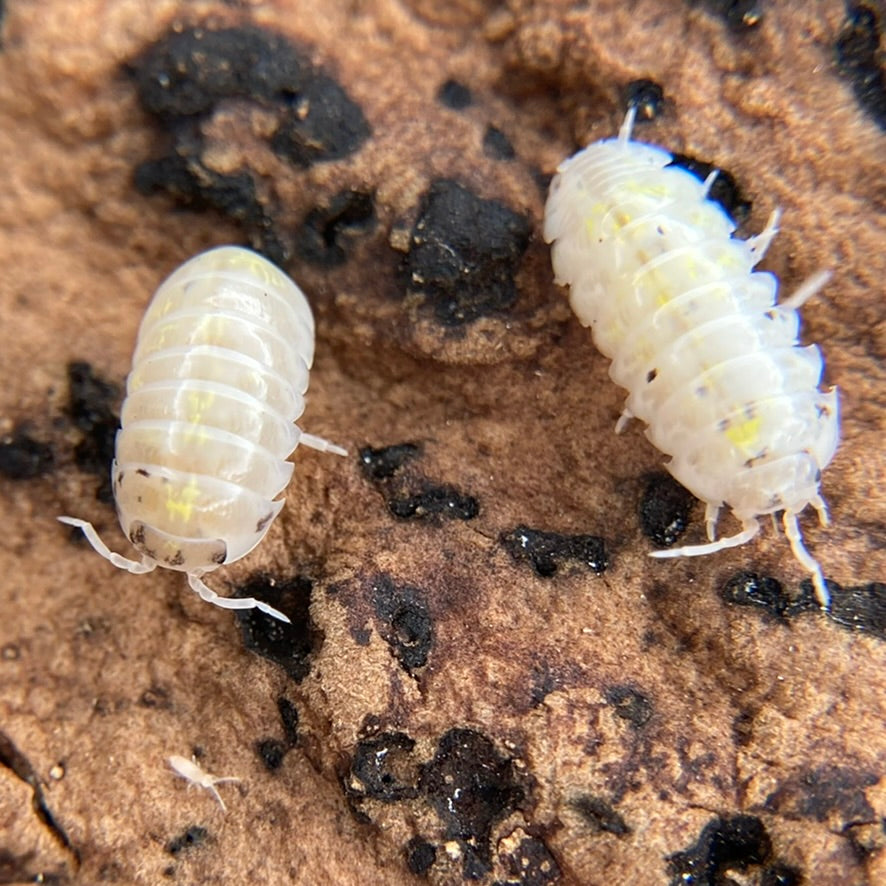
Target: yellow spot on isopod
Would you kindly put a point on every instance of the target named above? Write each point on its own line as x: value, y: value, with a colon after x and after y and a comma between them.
x: 745, y: 434
x: 181, y: 503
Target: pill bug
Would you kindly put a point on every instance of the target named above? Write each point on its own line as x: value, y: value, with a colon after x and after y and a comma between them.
x: 711, y: 363
x: 217, y: 382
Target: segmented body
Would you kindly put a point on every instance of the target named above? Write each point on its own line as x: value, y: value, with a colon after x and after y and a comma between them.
x: 218, y: 377
x: 711, y: 362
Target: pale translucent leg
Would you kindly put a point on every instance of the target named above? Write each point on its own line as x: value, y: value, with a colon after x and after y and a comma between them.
x: 749, y: 530
x: 321, y: 444
x: 215, y: 793
x: 623, y: 420
x: 206, y: 593
x: 759, y: 243
x: 792, y: 531
x: 709, y: 183
x: 138, y: 567
x: 807, y: 289
x: 624, y: 134
x: 822, y: 509
x: 711, y: 513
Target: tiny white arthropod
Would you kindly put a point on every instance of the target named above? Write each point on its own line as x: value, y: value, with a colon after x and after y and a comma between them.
x: 191, y: 770
x: 711, y: 363
x: 218, y: 377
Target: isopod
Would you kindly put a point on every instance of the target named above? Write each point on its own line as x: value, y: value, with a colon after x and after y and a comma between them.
x: 195, y: 774
x: 218, y: 378
x: 711, y: 362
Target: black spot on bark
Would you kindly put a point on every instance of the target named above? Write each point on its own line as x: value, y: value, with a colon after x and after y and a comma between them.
x: 156, y: 696
x: 271, y: 752
x: 861, y: 608
x: 183, y: 78
x: 22, y: 457
x: 464, y: 253
x: 383, y: 768
x: 443, y: 501
x: 781, y: 875
x: 861, y: 60
x: 455, y: 95
x: 548, y: 551
x: 497, y: 145
x: 420, y: 855
x: 381, y: 464
x: 405, y: 621
x: 287, y: 645
x: 531, y: 864
x: 324, y: 124
x: 724, y: 191
x: 740, y: 15
x: 647, y: 97
x: 751, y: 589
x: 289, y: 719
x: 471, y: 787
x: 824, y: 791
x: 325, y: 235
x: 737, y: 842
x: 192, y: 838
x: 630, y: 705
x: 600, y: 815
x: 90, y: 401
x: 664, y: 509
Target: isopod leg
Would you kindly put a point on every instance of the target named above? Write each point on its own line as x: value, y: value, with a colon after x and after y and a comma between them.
x: 711, y: 513
x: 709, y: 183
x: 792, y: 531
x: 821, y: 507
x: 749, y: 530
x: 206, y: 593
x: 321, y: 444
x: 806, y: 290
x: 624, y: 134
x: 138, y: 567
x: 759, y: 243
x: 623, y: 419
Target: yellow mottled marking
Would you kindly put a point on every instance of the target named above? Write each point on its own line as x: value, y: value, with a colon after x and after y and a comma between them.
x: 198, y: 403
x: 745, y: 434
x: 180, y: 503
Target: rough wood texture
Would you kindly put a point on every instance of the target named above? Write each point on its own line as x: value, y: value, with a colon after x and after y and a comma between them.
x: 474, y: 685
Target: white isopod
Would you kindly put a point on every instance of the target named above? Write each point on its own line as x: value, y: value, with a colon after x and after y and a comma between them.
x: 218, y: 377
x: 711, y: 363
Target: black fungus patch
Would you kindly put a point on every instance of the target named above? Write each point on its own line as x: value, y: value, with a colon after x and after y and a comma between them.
x: 822, y: 792
x: 22, y: 457
x: 271, y: 752
x: 549, y: 551
x: 183, y: 78
x: 383, y: 463
x: 325, y: 236
x: 90, y: 402
x: 741, y: 840
x: 740, y: 15
x: 497, y: 145
x: 289, y: 719
x: 420, y: 855
x: 471, y: 787
x: 647, y: 97
x: 728, y: 844
x: 860, y: 59
x: 630, y: 705
x: 442, y: 501
x: 384, y: 768
x: 600, y: 815
x: 287, y: 645
x: 724, y: 190
x: 405, y: 621
x: 191, y: 838
x: 860, y: 608
x: 455, y: 95
x: 664, y: 509
x: 531, y: 864
x: 464, y: 253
